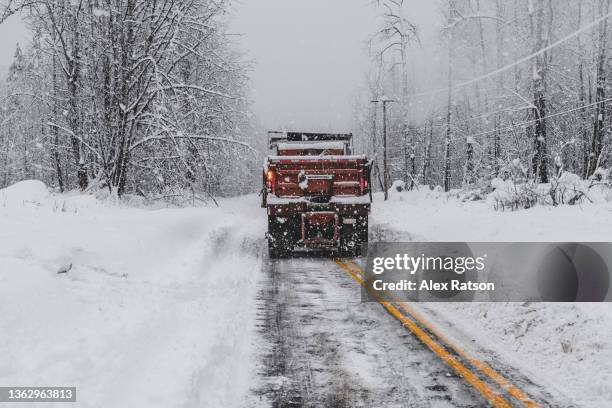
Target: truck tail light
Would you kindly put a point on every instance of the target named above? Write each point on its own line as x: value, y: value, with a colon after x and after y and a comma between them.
x: 270, y: 177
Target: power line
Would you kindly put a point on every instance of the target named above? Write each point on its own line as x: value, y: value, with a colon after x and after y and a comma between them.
x: 470, y: 119
x: 520, y: 61
x: 543, y: 118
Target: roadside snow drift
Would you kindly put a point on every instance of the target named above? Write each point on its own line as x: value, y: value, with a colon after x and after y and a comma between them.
x: 134, y: 307
x: 31, y: 192
x: 564, y: 346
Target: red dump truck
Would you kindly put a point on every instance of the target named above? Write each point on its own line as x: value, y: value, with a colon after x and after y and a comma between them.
x: 317, y: 194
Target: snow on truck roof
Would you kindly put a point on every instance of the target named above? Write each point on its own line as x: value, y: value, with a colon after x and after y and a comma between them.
x: 274, y: 136
x: 337, y: 145
x: 316, y: 158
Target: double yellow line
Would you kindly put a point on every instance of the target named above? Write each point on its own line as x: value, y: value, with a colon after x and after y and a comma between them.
x: 454, y: 356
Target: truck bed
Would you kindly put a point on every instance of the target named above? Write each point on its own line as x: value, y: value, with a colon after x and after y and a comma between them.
x: 333, y: 176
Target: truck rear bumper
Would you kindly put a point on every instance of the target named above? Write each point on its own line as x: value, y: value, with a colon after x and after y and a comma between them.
x: 341, y: 206
x: 272, y: 199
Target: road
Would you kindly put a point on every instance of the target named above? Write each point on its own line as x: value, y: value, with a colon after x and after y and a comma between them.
x: 327, y: 348
x: 324, y: 347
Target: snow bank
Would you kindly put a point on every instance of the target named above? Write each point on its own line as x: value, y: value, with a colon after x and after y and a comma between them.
x: 567, y: 188
x: 134, y: 307
x: 434, y: 215
x: 398, y: 186
x: 29, y: 192
x: 566, y: 346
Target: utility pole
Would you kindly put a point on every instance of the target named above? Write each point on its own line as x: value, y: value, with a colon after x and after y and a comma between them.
x: 385, y: 101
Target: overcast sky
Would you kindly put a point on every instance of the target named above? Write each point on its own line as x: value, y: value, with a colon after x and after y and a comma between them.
x: 310, y: 55
x: 12, y: 31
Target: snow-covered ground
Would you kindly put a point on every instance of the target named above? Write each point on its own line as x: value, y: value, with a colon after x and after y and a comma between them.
x: 565, y: 346
x: 155, y: 308
x: 434, y: 216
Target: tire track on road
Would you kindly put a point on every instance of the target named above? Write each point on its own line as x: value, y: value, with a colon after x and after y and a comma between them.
x: 325, y: 348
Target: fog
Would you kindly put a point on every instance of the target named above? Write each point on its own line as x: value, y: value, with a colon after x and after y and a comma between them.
x: 12, y: 31
x: 311, y: 57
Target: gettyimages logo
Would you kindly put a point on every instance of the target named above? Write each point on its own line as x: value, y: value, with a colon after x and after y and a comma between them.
x: 505, y: 272
x: 412, y: 264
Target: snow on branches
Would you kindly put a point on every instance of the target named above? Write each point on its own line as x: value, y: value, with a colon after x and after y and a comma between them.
x: 118, y: 85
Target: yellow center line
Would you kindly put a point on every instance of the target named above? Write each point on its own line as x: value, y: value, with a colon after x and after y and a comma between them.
x: 497, y: 400
x: 480, y: 365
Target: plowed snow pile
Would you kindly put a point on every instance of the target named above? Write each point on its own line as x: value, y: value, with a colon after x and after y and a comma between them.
x: 134, y: 307
x: 564, y: 346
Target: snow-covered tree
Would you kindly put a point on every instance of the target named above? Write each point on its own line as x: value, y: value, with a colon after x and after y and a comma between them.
x: 142, y: 96
x: 523, y: 80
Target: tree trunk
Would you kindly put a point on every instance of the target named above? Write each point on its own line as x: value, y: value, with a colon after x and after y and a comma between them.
x: 583, y: 101
x: 447, y: 141
x: 540, y: 158
x: 54, y: 130
x: 499, y: 39
x: 74, y: 114
x: 122, y: 157
x: 469, y: 165
x: 427, y: 153
x: 595, y: 159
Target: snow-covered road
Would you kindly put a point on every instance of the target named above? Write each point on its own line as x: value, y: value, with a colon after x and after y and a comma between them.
x: 324, y: 347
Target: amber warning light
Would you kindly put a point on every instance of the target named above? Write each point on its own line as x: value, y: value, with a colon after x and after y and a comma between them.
x: 270, y: 179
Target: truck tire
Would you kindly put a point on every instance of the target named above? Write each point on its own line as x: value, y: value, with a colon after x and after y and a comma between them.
x: 361, y: 235
x: 274, y: 251
x: 280, y: 239
x: 353, y: 236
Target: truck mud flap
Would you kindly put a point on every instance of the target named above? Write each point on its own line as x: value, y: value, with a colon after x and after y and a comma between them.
x: 320, y: 229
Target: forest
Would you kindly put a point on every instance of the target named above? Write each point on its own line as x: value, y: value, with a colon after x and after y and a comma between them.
x: 517, y: 92
x: 145, y: 97
x: 152, y: 98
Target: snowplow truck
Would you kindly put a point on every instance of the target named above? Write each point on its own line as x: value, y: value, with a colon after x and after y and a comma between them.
x: 316, y: 193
